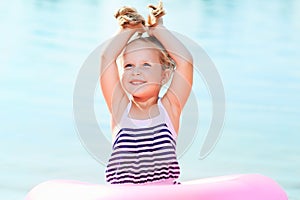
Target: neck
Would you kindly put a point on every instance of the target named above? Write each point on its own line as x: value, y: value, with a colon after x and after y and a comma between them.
x: 144, y: 109
x: 144, y: 104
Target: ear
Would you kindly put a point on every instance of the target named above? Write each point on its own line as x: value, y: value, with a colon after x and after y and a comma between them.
x: 166, y: 74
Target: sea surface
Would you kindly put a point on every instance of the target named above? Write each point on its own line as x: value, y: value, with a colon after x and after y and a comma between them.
x: 254, y: 45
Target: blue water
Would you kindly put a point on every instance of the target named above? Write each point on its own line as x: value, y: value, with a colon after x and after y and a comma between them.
x: 254, y: 45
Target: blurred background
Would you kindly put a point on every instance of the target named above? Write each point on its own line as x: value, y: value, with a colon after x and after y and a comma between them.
x: 255, y: 46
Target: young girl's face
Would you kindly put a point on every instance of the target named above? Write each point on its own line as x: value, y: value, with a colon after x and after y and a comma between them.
x: 142, y: 73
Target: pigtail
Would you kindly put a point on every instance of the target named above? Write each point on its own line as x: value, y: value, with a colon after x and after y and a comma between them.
x: 127, y: 16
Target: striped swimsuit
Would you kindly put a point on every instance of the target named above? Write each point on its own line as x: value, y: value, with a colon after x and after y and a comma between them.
x: 143, y: 151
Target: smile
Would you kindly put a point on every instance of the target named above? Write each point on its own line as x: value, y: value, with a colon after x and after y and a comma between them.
x: 137, y: 82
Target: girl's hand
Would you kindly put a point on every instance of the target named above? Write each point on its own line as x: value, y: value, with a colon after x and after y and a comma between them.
x: 156, y: 13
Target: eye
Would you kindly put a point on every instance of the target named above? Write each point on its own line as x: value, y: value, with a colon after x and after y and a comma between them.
x: 147, y: 65
x: 128, y: 66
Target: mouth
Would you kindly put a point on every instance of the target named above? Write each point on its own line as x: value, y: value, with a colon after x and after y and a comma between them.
x: 137, y: 82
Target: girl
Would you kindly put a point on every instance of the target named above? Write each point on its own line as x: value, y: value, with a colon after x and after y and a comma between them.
x: 144, y: 125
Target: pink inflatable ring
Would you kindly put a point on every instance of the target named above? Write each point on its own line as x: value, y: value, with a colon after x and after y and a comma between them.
x: 235, y: 187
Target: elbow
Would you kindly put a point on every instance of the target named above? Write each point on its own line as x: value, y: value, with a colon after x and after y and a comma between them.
x: 186, y: 59
x: 189, y: 58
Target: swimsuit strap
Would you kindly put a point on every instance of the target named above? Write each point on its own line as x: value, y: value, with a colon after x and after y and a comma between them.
x: 163, y: 116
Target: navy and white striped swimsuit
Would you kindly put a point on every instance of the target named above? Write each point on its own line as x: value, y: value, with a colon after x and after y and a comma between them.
x: 143, y: 151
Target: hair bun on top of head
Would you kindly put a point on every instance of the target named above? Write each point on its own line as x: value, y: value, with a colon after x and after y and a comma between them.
x: 129, y: 16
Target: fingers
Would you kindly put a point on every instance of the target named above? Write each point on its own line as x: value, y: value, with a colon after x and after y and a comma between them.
x: 156, y: 13
x: 151, y: 6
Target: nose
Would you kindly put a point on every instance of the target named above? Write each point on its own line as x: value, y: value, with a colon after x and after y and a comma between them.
x: 136, y: 70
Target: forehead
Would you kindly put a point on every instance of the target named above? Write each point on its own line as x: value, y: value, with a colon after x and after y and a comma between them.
x: 140, y: 45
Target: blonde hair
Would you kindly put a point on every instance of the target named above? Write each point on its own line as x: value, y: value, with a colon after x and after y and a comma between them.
x: 165, y: 59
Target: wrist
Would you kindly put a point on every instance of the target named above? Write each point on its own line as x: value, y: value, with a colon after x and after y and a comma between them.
x: 126, y: 30
x: 133, y: 28
x: 153, y: 29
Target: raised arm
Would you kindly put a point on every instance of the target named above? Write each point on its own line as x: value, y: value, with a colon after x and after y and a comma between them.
x: 109, y: 75
x: 182, y: 81
x: 130, y: 22
x: 181, y: 85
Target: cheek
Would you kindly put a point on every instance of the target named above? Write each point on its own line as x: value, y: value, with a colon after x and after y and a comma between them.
x: 123, y: 78
x: 158, y: 74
